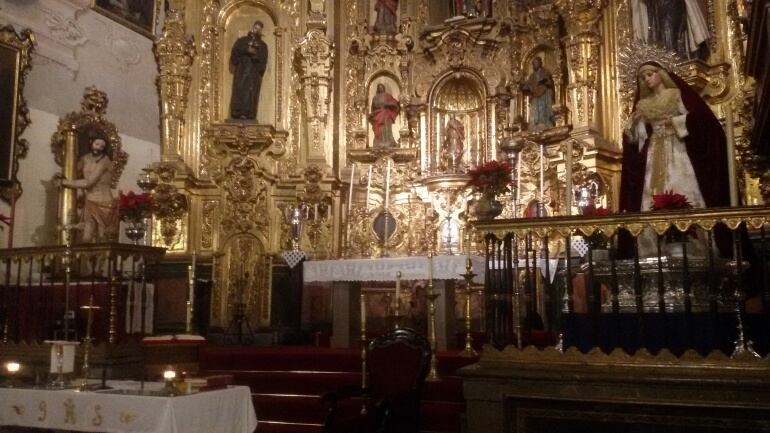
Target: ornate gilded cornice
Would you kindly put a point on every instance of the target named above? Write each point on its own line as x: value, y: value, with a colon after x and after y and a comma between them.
x: 716, y: 364
x: 754, y: 217
x: 244, y: 139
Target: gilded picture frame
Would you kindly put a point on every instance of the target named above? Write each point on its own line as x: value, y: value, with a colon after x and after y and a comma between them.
x: 15, y: 62
x: 138, y: 15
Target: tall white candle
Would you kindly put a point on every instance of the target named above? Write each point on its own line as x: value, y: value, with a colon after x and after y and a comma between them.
x: 518, y: 182
x: 350, y: 193
x: 430, y: 266
x: 368, y: 187
x: 398, y: 290
x: 315, y: 212
x: 387, y: 185
x: 468, y: 242
x: 363, y: 311
x: 542, y: 174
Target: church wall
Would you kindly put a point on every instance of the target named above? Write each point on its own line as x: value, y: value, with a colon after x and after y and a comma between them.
x: 77, y: 47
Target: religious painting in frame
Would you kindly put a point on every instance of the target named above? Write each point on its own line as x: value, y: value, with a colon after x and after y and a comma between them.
x: 15, y: 55
x: 138, y: 15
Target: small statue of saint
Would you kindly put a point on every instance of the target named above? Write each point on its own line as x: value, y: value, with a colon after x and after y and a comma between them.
x: 539, y: 86
x: 387, y: 16
x: 453, y: 147
x: 248, y: 60
x: 385, y: 109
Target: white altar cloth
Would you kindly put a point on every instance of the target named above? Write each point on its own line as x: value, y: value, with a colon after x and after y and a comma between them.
x: 384, y: 269
x: 227, y: 410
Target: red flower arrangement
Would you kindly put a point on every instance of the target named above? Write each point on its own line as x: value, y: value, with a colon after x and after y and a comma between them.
x: 493, y: 177
x: 596, y: 211
x: 134, y: 207
x: 670, y: 200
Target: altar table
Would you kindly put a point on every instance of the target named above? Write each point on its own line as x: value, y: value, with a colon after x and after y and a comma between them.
x: 227, y: 410
x: 384, y: 269
x: 348, y: 274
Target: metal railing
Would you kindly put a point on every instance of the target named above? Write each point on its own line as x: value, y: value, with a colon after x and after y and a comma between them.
x: 690, y: 279
x: 44, y: 289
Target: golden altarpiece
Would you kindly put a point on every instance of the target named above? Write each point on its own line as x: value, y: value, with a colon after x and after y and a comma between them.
x: 313, y: 140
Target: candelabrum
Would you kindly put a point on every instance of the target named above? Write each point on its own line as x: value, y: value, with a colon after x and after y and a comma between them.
x: 147, y: 182
x: 397, y: 316
x: 469, y: 275
x: 87, y: 342
x: 742, y: 345
x: 363, y: 348
x: 432, y: 296
x: 295, y: 217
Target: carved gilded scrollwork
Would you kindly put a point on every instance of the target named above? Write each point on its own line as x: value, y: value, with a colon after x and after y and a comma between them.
x: 209, y: 222
x: 246, y: 194
x: 174, y: 52
x: 23, y: 44
x: 314, y: 61
x: 170, y: 208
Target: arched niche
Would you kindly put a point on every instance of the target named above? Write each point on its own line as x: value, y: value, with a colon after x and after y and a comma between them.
x: 460, y: 95
x: 551, y: 62
x: 391, y: 86
x: 236, y: 22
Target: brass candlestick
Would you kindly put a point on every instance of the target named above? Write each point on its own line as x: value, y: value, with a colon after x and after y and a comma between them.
x: 469, y: 275
x: 398, y: 316
x: 363, y: 349
x: 87, y: 341
x: 432, y: 296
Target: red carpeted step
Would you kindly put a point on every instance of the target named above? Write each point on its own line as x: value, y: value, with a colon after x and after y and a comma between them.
x: 287, y: 383
x: 287, y: 427
x: 289, y: 408
x: 308, y: 358
x: 299, y: 382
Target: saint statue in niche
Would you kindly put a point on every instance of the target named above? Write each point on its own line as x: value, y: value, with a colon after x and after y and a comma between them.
x: 453, y: 147
x: 99, y: 216
x: 677, y: 25
x: 539, y: 86
x: 248, y: 61
x: 385, y: 109
x: 463, y: 7
x: 386, y: 21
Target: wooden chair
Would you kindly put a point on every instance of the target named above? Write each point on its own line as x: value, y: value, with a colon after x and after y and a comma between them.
x: 398, y: 363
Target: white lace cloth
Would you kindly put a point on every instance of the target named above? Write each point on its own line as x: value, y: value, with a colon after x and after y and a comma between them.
x: 227, y: 410
x: 384, y: 269
x: 292, y: 257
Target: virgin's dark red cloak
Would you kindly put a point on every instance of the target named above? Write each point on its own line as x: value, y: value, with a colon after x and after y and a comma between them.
x: 706, y: 146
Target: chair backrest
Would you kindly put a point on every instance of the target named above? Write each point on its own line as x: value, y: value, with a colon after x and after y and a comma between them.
x: 398, y: 363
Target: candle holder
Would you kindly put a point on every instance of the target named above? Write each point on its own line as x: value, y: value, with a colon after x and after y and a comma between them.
x: 363, y: 348
x: 469, y: 275
x: 12, y: 368
x: 87, y: 342
x: 168, y: 377
x: 397, y: 316
x: 62, y: 362
x: 432, y: 296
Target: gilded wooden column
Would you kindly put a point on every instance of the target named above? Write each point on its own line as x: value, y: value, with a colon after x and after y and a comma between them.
x: 68, y: 196
x: 315, y: 59
x: 582, y: 44
x: 174, y: 52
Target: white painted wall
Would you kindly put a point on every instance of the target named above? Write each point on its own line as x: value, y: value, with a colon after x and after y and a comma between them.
x: 77, y: 48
